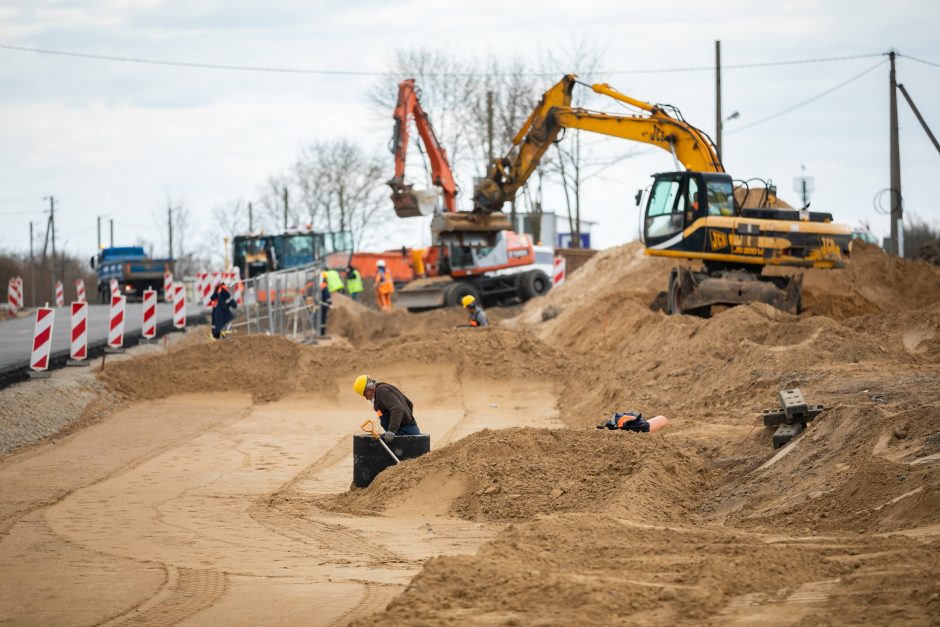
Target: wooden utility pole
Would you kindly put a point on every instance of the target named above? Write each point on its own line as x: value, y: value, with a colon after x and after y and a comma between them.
x: 99, y: 232
x: 169, y: 225
x: 718, y: 128
x: 489, y: 130
x: 32, y: 267
x: 112, y: 232
x: 897, y: 211
x: 285, y: 208
x: 251, y: 219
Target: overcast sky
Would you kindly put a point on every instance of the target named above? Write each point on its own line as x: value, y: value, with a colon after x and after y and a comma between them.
x: 116, y: 139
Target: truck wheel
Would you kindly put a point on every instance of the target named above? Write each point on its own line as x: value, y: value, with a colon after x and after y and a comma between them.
x: 534, y: 283
x: 457, y: 291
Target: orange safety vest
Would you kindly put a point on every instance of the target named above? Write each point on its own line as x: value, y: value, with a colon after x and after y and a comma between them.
x: 384, y: 283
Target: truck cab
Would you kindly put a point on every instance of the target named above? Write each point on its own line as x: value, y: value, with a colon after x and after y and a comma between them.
x: 133, y: 269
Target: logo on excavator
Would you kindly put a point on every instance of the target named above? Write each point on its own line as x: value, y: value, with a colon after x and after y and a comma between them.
x: 719, y: 239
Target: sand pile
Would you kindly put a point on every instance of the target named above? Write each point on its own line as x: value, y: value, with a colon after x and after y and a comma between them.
x: 361, y: 325
x: 518, y: 474
x: 260, y: 365
x: 598, y: 570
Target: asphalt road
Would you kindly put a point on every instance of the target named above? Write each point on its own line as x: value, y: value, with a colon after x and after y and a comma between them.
x: 16, y: 336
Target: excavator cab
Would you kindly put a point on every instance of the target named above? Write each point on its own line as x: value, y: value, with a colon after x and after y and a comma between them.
x: 677, y: 199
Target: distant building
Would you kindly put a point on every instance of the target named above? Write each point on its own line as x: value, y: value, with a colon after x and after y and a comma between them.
x: 555, y: 230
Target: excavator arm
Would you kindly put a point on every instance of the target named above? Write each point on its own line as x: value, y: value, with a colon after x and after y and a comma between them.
x: 655, y: 126
x: 403, y: 197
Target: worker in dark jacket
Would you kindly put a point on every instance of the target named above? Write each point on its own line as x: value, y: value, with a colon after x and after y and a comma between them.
x: 326, y: 301
x: 395, y: 410
x: 222, y: 305
x: 477, y: 315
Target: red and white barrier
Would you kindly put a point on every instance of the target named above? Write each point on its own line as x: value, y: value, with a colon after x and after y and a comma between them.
x: 558, y: 275
x: 240, y: 293
x: 216, y: 281
x: 116, y: 321
x: 115, y: 287
x: 59, y: 294
x: 179, y: 306
x: 12, y: 299
x: 206, y: 289
x: 79, y: 346
x: 80, y: 291
x: 149, y: 328
x: 19, y: 292
x: 168, y: 287
x: 42, y: 339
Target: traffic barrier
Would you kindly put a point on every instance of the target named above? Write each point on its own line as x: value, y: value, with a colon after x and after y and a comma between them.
x: 216, y: 281
x: 239, y: 293
x: 59, y: 294
x: 558, y: 275
x: 115, y: 287
x: 78, y: 349
x: 149, y: 327
x: 80, y: 291
x: 179, y: 306
x: 42, y: 339
x: 11, y: 295
x: 19, y: 292
x: 116, y: 322
x: 168, y: 287
x: 206, y: 294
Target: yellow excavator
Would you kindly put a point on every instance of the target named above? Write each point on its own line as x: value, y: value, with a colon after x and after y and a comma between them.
x: 693, y: 214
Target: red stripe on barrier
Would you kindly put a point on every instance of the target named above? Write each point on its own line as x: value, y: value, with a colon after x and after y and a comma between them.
x: 80, y: 353
x: 42, y: 362
x: 42, y: 313
x: 78, y: 330
x: 42, y: 338
x: 116, y: 320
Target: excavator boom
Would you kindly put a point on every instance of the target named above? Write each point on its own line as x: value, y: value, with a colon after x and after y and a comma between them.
x: 403, y: 196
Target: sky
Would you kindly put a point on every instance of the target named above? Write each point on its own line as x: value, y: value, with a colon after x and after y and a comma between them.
x: 117, y: 139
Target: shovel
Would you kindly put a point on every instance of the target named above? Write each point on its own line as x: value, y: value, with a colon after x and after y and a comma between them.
x: 369, y: 427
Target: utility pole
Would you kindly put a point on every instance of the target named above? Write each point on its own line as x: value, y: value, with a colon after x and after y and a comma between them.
x: 32, y: 267
x: 489, y: 130
x: 718, y: 97
x: 52, y: 225
x: 285, y: 208
x: 99, y: 232
x: 920, y: 118
x: 251, y: 219
x: 897, y: 227
x: 169, y: 224
x: 112, y: 232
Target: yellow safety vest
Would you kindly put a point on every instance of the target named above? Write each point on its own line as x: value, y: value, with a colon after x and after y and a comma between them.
x: 354, y: 282
x: 333, y: 280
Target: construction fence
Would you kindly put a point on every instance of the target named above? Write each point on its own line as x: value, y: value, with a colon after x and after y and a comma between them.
x: 286, y: 302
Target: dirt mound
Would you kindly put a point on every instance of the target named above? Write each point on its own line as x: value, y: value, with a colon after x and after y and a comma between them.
x: 259, y: 364
x: 598, y: 570
x: 518, y: 474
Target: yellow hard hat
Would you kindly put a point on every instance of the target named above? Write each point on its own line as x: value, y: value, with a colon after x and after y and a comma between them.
x: 360, y: 384
x: 467, y: 300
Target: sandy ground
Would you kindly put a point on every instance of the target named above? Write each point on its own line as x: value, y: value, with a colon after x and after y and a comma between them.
x: 195, y: 490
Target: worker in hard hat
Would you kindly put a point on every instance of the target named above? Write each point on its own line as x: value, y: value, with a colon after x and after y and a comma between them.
x: 395, y: 410
x: 326, y: 300
x: 353, y: 283
x: 384, y: 286
x: 477, y: 315
x: 222, y: 305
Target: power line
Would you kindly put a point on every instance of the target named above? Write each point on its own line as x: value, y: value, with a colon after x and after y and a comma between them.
x: 918, y: 60
x: 309, y: 71
x: 808, y: 100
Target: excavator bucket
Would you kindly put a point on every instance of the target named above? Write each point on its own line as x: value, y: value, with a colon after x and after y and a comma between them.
x: 411, y: 203
x: 695, y: 292
x: 469, y: 229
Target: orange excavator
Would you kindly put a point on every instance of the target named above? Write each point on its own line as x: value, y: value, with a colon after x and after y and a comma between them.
x: 473, y: 253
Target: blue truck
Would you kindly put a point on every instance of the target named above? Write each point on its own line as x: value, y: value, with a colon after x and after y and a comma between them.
x: 133, y: 269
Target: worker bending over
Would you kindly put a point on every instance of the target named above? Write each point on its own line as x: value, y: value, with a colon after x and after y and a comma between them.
x: 384, y: 286
x: 395, y: 410
x: 222, y: 305
x: 477, y: 315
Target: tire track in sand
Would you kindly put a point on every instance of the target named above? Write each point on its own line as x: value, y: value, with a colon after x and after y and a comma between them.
x: 375, y: 598
x: 187, y: 592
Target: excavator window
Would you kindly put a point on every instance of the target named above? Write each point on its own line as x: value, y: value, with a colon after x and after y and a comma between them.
x: 664, y: 213
x: 720, y: 198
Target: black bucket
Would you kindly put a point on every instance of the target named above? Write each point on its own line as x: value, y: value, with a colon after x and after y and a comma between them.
x: 370, y: 457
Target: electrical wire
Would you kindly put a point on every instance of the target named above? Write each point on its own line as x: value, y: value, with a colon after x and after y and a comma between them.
x: 904, y: 56
x: 287, y: 70
x: 808, y: 100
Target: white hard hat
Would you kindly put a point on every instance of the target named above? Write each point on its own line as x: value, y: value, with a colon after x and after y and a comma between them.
x: 380, y: 263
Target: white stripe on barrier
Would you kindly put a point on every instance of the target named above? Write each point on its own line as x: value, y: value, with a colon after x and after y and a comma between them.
x: 179, y: 306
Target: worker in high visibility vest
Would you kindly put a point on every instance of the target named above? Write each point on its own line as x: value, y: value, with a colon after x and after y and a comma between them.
x: 326, y: 301
x: 353, y: 283
x: 333, y: 281
x: 384, y: 286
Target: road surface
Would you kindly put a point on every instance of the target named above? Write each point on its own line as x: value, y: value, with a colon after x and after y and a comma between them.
x: 16, y: 335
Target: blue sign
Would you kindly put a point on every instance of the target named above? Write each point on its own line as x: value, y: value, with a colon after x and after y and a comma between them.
x: 564, y: 240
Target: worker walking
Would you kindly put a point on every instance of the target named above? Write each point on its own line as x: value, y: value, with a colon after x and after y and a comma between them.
x: 384, y: 286
x: 326, y: 301
x: 477, y: 315
x: 395, y: 410
x: 222, y: 305
x: 353, y: 283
